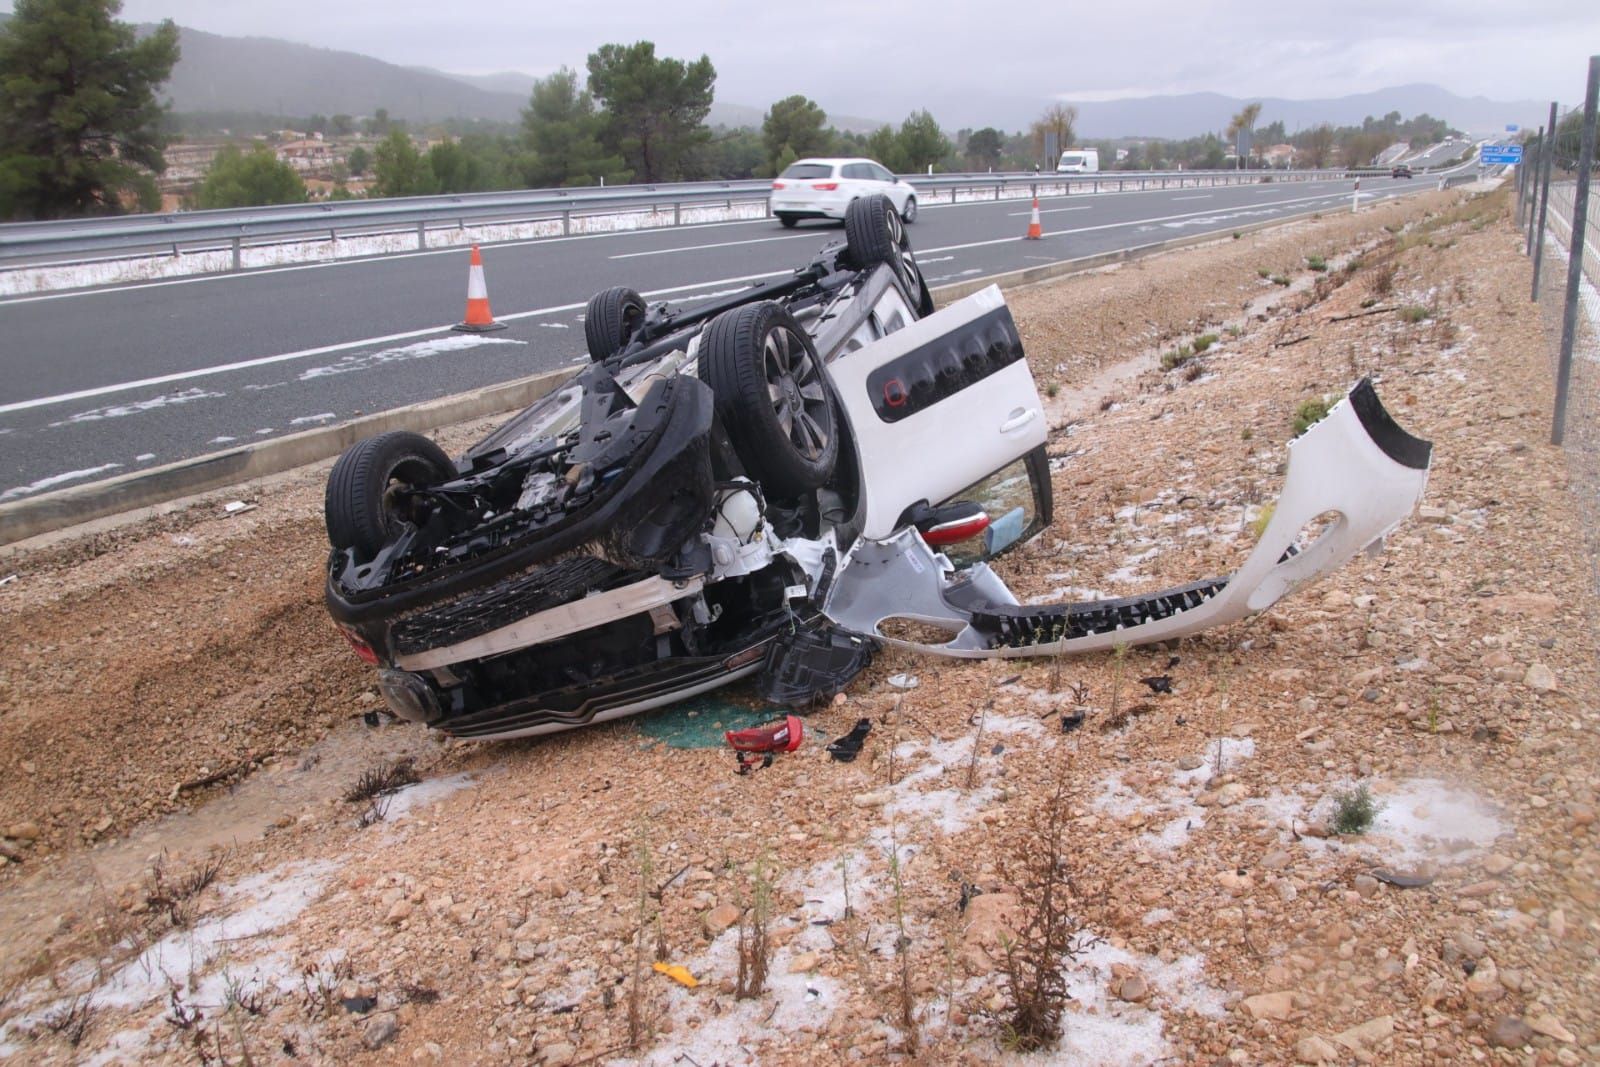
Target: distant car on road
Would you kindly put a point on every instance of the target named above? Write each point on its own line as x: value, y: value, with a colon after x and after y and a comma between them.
x: 825, y: 189
x: 1400, y: 171
x: 1079, y: 161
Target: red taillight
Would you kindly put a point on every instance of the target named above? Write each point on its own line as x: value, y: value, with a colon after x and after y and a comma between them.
x: 957, y: 531
x: 777, y: 185
x: 362, y: 649
x: 825, y: 187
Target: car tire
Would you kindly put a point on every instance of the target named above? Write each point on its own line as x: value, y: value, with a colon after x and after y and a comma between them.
x: 908, y: 214
x: 874, y: 234
x: 772, y: 397
x: 787, y: 221
x: 359, y: 505
x: 610, y: 321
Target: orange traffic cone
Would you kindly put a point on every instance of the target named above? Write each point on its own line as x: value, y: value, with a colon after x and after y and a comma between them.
x: 1035, y: 231
x: 479, y: 319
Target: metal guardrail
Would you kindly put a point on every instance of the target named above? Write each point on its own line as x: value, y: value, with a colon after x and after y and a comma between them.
x: 32, y: 243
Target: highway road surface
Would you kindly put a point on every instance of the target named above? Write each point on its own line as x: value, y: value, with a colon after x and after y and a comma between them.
x: 100, y: 382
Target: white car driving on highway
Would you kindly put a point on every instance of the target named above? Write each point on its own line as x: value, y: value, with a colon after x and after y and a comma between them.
x: 825, y: 188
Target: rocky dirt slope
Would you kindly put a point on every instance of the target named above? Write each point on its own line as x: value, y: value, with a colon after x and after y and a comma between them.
x: 508, y: 907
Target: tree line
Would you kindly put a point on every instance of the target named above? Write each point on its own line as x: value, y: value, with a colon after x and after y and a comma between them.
x: 82, y: 130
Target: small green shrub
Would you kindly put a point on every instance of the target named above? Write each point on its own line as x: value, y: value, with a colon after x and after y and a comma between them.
x: 1263, y: 520
x: 1053, y: 389
x: 1309, y: 413
x: 1280, y: 279
x: 1177, y: 357
x: 1237, y: 235
x: 1246, y: 433
x: 1354, y: 810
x: 1415, y: 313
x: 1263, y: 272
x: 1369, y: 302
x: 1317, y: 263
x: 1204, y: 341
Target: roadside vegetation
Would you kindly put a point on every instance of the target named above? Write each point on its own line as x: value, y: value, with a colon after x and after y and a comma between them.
x: 628, y: 115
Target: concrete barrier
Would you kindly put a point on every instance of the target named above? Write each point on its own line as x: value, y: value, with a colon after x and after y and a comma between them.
x: 159, y: 485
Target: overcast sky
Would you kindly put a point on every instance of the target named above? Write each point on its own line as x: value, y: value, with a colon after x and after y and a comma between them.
x: 965, y: 61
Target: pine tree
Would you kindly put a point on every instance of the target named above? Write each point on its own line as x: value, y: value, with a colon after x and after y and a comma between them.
x: 655, y: 109
x: 249, y: 179
x: 561, y: 134
x: 79, y: 118
x: 398, y: 169
x: 793, y: 128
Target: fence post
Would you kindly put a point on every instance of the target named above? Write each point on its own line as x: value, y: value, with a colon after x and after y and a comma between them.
x: 1532, y: 202
x: 422, y: 235
x: 1536, y: 232
x: 236, y: 259
x: 1580, y: 217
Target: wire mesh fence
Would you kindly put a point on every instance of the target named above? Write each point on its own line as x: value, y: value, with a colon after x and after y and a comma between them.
x: 1554, y: 209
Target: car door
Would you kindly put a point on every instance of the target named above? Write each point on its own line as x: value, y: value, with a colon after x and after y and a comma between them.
x: 859, y: 175
x: 886, y: 183
x: 936, y: 407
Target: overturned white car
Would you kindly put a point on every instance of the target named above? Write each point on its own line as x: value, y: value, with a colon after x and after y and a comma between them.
x: 771, y: 484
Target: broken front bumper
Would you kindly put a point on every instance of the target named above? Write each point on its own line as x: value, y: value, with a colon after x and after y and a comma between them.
x: 1356, y: 471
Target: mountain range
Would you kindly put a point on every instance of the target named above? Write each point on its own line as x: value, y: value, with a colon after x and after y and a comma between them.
x: 267, y: 75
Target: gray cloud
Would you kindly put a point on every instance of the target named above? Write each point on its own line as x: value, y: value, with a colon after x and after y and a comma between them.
x: 969, y: 63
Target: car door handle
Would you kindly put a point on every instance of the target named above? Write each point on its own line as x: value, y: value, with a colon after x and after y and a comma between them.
x: 1019, y: 418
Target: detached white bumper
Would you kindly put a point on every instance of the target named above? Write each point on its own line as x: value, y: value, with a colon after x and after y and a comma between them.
x: 1357, y: 464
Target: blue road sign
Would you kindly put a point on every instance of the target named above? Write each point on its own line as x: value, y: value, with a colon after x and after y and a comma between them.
x: 1492, y: 154
x: 1512, y: 127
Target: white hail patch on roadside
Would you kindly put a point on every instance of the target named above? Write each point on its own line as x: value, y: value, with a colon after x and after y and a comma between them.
x: 419, y: 350
x: 54, y: 480
x: 144, y: 457
x: 222, y: 439
x: 320, y: 417
x: 117, y: 411
x: 1425, y: 819
x: 792, y: 1008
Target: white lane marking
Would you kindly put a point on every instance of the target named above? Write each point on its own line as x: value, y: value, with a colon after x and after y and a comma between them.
x: 262, y: 361
x: 719, y: 244
x: 55, y: 480
x: 939, y: 259
x: 455, y: 250
x: 1220, y: 214
x: 1047, y: 211
x: 1202, y: 196
x: 458, y: 249
x: 419, y: 350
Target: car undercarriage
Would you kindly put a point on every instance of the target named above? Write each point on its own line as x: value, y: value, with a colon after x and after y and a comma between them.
x: 773, y: 484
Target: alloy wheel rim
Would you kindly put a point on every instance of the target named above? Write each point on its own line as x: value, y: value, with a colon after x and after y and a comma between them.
x: 795, y: 389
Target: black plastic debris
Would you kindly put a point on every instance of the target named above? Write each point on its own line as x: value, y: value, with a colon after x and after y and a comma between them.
x: 968, y: 891
x: 812, y: 663
x: 1158, y: 683
x: 846, y: 748
x: 358, y: 1005
x: 1071, y: 720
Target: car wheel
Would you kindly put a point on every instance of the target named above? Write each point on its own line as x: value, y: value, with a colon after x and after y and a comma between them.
x: 611, y: 319
x: 772, y: 397
x: 787, y: 221
x: 875, y: 234
x: 364, y: 505
x: 908, y: 214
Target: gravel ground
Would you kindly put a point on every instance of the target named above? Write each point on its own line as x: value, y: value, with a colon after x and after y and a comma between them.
x: 494, y: 913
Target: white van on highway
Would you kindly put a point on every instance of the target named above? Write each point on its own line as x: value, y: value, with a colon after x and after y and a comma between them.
x: 1079, y: 161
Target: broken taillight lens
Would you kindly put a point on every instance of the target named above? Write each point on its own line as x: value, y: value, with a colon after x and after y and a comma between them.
x: 956, y: 531
x: 362, y: 649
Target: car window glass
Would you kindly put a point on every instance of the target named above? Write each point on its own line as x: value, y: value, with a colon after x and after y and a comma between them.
x: 808, y: 170
x: 1011, y: 500
x: 880, y: 173
x: 857, y: 171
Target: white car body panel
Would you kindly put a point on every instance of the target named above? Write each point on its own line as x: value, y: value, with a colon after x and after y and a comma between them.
x: 941, y: 450
x: 1335, y: 467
